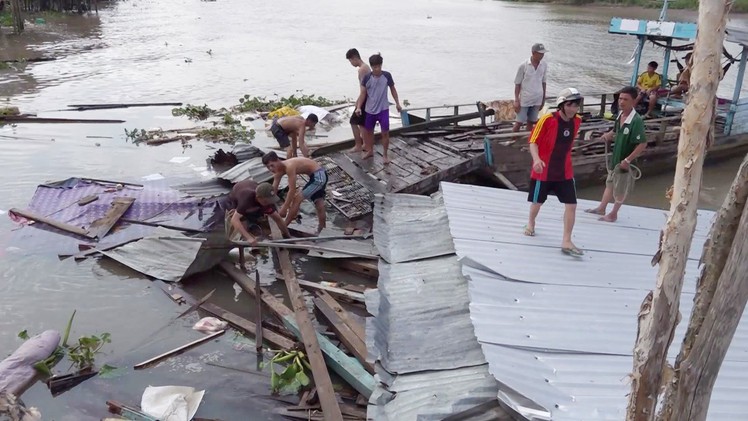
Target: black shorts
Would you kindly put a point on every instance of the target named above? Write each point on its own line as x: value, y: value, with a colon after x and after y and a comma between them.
x: 356, y: 119
x: 565, y: 191
x: 280, y: 135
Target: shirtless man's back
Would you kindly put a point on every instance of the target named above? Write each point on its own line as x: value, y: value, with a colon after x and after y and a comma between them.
x: 294, y: 127
x: 313, y: 191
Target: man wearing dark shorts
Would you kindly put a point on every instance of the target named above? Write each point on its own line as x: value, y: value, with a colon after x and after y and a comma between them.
x: 290, y: 133
x: 552, y: 171
x: 314, y: 190
x: 357, y: 120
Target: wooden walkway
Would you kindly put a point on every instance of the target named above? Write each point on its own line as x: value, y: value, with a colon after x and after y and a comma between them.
x: 418, y: 163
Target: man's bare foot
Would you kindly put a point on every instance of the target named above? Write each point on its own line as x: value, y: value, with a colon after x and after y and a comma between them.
x: 367, y: 154
x: 386, y: 160
x: 355, y: 149
x: 608, y: 218
x: 596, y: 211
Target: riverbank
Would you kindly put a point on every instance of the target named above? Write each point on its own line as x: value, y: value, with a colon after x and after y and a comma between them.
x: 739, y: 6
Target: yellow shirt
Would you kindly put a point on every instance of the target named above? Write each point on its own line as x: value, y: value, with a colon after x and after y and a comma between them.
x: 649, y: 82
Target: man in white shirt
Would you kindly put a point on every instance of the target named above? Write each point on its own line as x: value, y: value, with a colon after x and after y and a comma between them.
x: 529, y: 88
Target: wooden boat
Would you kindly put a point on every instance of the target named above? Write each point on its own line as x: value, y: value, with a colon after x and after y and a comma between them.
x: 509, y: 157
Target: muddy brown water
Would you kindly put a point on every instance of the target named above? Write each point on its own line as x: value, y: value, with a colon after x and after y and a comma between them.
x: 443, y: 51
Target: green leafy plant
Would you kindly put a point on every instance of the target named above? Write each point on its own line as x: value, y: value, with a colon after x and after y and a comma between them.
x: 194, y: 112
x: 82, y: 355
x: 137, y: 135
x: 293, y: 377
x: 406, y: 103
x: 263, y: 104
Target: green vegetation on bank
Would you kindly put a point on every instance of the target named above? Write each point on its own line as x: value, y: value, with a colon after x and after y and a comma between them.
x: 739, y: 6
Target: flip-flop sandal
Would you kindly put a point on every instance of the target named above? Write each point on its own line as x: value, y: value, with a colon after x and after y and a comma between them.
x: 572, y: 251
x: 529, y: 232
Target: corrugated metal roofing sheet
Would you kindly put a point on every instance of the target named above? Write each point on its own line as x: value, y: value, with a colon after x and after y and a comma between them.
x: 559, y: 330
x: 250, y: 169
x: 423, y: 321
x: 409, y: 227
x: 204, y: 189
x: 165, y: 254
x: 429, y: 363
x: 432, y: 395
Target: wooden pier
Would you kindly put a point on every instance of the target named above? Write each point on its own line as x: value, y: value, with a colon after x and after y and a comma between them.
x: 421, y: 156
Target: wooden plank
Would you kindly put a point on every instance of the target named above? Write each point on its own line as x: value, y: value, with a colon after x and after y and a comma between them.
x: 358, y: 174
x: 345, y: 366
x: 258, y: 329
x: 178, y: 350
x: 357, y: 328
x: 431, y: 183
x: 355, y: 296
x: 21, y: 119
x: 86, y: 107
x: 248, y: 327
x: 322, y: 381
x: 363, y: 267
x: 157, y: 224
x: 88, y: 199
x: 505, y: 180
x: 309, y: 247
x: 100, y: 227
x: 352, y: 342
x: 51, y: 222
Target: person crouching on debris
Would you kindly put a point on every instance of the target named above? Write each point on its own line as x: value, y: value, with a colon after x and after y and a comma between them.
x: 630, y: 142
x: 293, y: 127
x: 552, y: 171
x: 314, y: 190
x: 249, y: 201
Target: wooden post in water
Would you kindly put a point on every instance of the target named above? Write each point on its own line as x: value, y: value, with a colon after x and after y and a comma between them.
x: 659, y: 312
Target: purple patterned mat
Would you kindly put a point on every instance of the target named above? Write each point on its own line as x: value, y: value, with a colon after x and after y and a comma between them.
x: 157, y: 204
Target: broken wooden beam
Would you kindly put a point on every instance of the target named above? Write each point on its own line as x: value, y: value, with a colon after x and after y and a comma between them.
x: 345, y: 316
x: 22, y: 119
x: 345, y: 366
x: 51, y: 222
x: 258, y: 334
x: 355, y: 296
x: 86, y: 107
x: 178, y: 350
x: 367, y: 268
x: 100, y: 227
x: 128, y: 412
x: 157, y: 224
x: 327, y: 399
x: 345, y: 334
x: 247, y: 326
x: 308, y: 247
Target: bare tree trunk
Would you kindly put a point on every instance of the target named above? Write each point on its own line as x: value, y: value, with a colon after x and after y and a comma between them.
x: 659, y: 313
x: 15, y: 8
x: 699, y: 370
x: 714, y: 258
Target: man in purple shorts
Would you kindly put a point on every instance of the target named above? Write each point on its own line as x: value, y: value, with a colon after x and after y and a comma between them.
x: 374, y: 95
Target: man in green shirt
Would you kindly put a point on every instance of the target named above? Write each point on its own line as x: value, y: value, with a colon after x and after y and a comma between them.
x: 630, y: 142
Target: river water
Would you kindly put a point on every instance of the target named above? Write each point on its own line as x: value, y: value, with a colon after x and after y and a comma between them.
x: 439, y: 52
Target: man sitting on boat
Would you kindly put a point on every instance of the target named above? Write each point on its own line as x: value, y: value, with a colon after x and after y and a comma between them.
x: 630, y: 142
x: 684, y: 77
x: 248, y: 202
x: 649, y: 84
x: 552, y: 170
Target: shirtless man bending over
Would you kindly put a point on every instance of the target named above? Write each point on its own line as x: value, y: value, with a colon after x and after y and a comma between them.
x: 294, y: 127
x: 314, y: 190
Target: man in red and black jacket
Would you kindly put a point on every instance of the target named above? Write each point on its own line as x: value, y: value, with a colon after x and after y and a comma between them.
x: 552, y: 172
